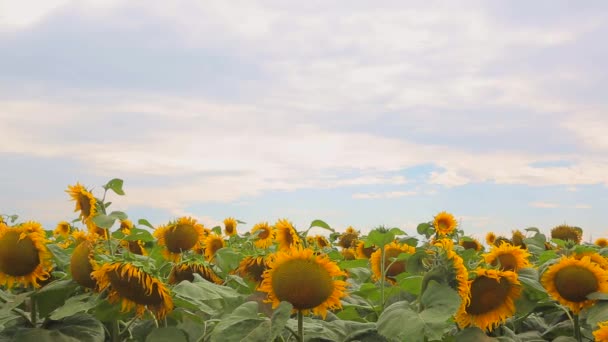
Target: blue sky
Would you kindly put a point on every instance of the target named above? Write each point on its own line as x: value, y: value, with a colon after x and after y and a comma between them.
x: 355, y: 112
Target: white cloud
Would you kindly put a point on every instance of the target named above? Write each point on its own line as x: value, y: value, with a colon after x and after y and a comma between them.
x: 382, y: 195
x: 582, y: 206
x: 541, y: 204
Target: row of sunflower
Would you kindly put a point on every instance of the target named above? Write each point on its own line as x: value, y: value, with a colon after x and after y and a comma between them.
x: 101, y: 277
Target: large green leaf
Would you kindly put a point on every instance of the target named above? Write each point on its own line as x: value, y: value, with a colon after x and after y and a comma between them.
x: 243, y: 324
x: 400, y: 322
x: 74, y: 305
x: 60, y: 255
x: 78, y: 328
x: 473, y: 334
x: 53, y: 295
x: 227, y: 259
x: 172, y: 334
x: 116, y: 186
x: 379, y: 238
x: 321, y: 224
x: 205, y: 296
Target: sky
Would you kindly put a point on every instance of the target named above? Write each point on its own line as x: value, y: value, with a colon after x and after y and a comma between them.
x: 359, y: 113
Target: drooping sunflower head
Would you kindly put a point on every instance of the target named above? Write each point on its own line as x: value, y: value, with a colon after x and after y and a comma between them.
x: 517, y: 238
x: 391, y: 268
x: 602, y: 242
x: 180, y: 236
x: 94, y: 229
x: 305, y: 280
x: 508, y: 257
x: 570, y: 281
x: 230, y: 226
x: 24, y: 257
x: 566, y: 232
x: 287, y: 236
x: 490, y: 238
x: 349, y: 253
x: 134, y: 246
x: 266, y: 235
x: 134, y: 288
x: 252, y: 268
x: 82, y: 264
x: 185, y: 272
x: 492, y: 296
x: 126, y: 225
x: 601, y: 334
x: 364, y: 252
x: 594, y: 257
x: 349, y: 238
x: 470, y: 243
x: 501, y: 240
x: 445, y: 223
x: 85, y: 201
x: 63, y: 229
x: 213, y: 243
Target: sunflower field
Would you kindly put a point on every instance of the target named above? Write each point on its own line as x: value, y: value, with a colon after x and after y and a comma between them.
x: 103, y: 277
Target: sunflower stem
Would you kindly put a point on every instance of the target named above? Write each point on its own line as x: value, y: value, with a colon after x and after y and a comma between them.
x: 577, y: 328
x: 300, y: 326
x: 34, y: 314
x: 115, y: 331
x: 382, y: 273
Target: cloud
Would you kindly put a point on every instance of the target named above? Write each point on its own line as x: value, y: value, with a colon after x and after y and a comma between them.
x: 383, y: 195
x: 540, y: 204
x: 582, y: 206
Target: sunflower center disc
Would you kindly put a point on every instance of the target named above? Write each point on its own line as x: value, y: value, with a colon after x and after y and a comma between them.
x: 17, y: 257
x: 468, y: 244
x: 263, y: 233
x: 85, y: 205
x: 397, y: 267
x: 574, y: 283
x: 508, y: 262
x: 80, y: 266
x: 303, y: 283
x: 181, y: 238
x: 137, y: 287
x: 487, y: 294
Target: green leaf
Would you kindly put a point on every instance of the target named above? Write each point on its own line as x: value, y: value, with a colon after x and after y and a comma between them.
x: 217, y: 230
x: 279, y: 318
x: 78, y: 328
x: 205, y: 296
x: 139, y: 234
x: 145, y: 222
x: 353, y: 263
x: 243, y: 324
x: 119, y: 215
x: 104, y: 221
x: 321, y: 224
x: 423, y: 228
x: 227, y: 259
x: 597, y: 313
x: 241, y: 222
x: 60, y: 255
x: 532, y: 229
x: 410, y: 283
x: 53, y: 295
x: 74, y: 305
x: 529, y: 277
x: 379, y: 238
x: 397, y: 231
x: 473, y: 334
x: 172, y: 334
x: 115, y: 185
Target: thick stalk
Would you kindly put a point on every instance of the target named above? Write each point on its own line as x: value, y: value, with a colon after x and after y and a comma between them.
x: 34, y: 313
x: 300, y: 326
x: 115, y: 332
x: 577, y: 328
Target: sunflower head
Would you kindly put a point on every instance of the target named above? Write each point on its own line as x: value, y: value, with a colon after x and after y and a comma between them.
x: 508, y: 257
x: 213, y: 243
x: 349, y: 238
x: 134, y: 288
x: 570, y: 281
x: 230, y: 226
x: 287, y: 236
x: 349, y: 253
x: 63, y: 229
x: 470, y: 243
x: 185, y: 272
x: 252, y: 268
x: 82, y: 264
x: 602, y: 242
x: 364, y: 252
x: 594, y: 257
x: 490, y: 238
x: 517, y: 238
x: 391, y: 268
x: 492, y: 296
x: 266, y: 235
x: 305, y: 280
x: 24, y: 258
x: 565, y: 232
x: 601, y: 334
x: 180, y: 236
x: 126, y: 225
x: 444, y: 223
x: 500, y: 240
x: 85, y: 201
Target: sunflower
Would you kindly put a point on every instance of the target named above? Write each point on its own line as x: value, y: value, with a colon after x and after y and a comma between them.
x: 126, y: 224
x: 186, y: 271
x: 594, y: 257
x: 601, y: 334
x: 266, y: 235
x: 134, y: 246
x: 508, y: 257
x: 349, y: 253
x: 134, y: 288
x: 63, y: 229
x: 470, y: 243
x: 287, y: 236
x: 252, y: 268
x: 570, y: 281
x: 492, y: 296
x: 391, y: 250
x: 348, y: 238
x: 213, y: 243
x: 322, y: 241
x: 444, y: 223
x: 517, y: 238
x: 96, y: 230
x: 602, y: 242
x: 85, y: 201
x: 75, y: 238
x: 305, y: 280
x: 565, y: 232
x: 364, y: 252
x: 180, y: 236
x: 82, y: 264
x: 490, y: 238
x: 24, y: 258
x: 230, y: 226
